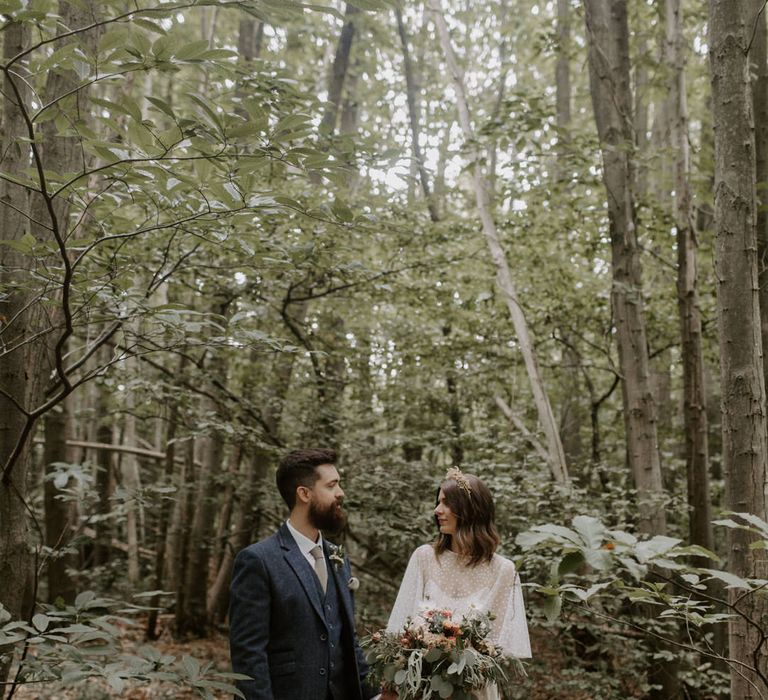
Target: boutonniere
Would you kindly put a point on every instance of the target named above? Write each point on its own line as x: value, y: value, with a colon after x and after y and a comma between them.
x: 337, y: 557
x: 353, y: 584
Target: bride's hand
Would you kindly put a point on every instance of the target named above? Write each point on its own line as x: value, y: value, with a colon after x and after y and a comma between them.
x: 387, y: 695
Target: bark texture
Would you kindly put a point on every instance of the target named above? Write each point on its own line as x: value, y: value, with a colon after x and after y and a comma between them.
x: 758, y: 58
x: 339, y: 70
x: 60, y: 516
x: 16, y: 382
x: 742, y: 382
x: 608, y: 41
x: 694, y: 391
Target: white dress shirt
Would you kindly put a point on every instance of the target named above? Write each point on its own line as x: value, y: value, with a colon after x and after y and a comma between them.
x: 305, y: 544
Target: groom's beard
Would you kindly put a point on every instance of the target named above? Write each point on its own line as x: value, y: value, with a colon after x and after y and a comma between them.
x: 330, y: 518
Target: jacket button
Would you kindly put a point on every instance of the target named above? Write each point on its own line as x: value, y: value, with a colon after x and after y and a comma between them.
x: 322, y: 671
x: 323, y: 637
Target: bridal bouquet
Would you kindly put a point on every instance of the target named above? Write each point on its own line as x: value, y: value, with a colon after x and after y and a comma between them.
x: 435, y: 656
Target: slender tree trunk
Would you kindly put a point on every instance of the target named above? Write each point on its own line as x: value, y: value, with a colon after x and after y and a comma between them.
x: 59, y: 515
x: 130, y: 481
x: 758, y: 58
x: 694, y: 393
x: 608, y: 40
x: 163, y: 520
x: 572, y: 414
x: 178, y: 533
x: 224, y: 520
x: 504, y: 276
x: 339, y: 70
x: 412, y: 96
x: 745, y: 448
x: 253, y: 473
x: 193, y: 617
x: 104, y: 488
x: 563, y: 70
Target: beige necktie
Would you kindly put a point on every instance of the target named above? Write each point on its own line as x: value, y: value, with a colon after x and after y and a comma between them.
x: 320, y: 568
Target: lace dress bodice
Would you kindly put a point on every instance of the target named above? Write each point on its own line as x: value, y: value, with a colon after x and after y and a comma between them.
x: 443, y: 581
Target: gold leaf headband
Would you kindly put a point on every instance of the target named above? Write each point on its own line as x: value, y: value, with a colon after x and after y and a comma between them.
x: 457, y: 475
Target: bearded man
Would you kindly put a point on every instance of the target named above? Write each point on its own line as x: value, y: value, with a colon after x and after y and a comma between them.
x: 292, y: 628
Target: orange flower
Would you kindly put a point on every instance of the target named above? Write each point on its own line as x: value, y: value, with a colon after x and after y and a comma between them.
x: 451, y: 629
x: 609, y: 546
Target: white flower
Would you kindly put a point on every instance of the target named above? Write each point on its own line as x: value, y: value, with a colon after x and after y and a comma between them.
x: 337, y: 557
x: 353, y: 584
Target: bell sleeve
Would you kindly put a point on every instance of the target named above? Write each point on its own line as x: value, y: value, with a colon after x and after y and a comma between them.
x: 410, y: 594
x: 510, y: 626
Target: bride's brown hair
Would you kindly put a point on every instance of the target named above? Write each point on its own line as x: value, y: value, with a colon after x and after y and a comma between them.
x: 471, y: 502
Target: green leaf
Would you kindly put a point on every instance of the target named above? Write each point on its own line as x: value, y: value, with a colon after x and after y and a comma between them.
x: 191, y: 666
x: 40, y: 622
x: 189, y: 51
x: 731, y: 580
x: 552, y: 606
x: 162, y: 105
x: 570, y: 563
x: 149, y: 24
x: 591, y: 530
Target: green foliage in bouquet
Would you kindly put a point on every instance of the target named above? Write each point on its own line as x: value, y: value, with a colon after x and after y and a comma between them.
x: 436, y: 656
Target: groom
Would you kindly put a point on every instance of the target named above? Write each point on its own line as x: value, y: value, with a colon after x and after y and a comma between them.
x: 292, y: 628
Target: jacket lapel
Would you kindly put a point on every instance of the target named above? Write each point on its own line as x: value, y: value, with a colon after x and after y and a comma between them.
x: 338, y: 573
x: 302, y: 569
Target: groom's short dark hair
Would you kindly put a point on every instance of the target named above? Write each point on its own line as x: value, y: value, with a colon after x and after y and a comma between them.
x: 297, y: 468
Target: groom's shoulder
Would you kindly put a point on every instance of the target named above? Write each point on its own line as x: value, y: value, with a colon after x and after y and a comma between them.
x: 262, y: 547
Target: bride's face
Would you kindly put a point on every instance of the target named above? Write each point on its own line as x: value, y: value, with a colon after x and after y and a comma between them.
x: 446, y: 520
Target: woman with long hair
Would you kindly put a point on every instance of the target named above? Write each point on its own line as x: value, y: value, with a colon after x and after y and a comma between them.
x: 461, y: 571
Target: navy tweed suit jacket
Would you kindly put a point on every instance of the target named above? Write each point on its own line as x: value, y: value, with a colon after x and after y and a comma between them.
x: 278, y: 633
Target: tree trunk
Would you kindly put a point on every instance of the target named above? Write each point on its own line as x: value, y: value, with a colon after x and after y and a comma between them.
x: 412, y: 96
x: 130, y: 481
x: 758, y: 59
x: 572, y: 414
x: 15, y: 370
x: 745, y: 451
x: 192, y: 619
x: 178, y: 533
x: 104, y: 487
x: 339, y: 70
x: 59, y: 514
x: 163, y: 521
x: 504, y: 276
x: 254, y: 472
x: 608, y: 41
x: 694, y: 393
x: 563, y: 69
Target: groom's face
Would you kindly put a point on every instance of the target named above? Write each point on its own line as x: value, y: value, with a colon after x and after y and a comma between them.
x: 325, y: 511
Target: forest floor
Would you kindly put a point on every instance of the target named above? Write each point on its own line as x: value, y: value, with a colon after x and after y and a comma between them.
x: 542, y: 675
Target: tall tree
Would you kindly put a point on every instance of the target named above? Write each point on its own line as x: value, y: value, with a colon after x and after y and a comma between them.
x: 339, y: 70
x: 609, y: 76
x: 33, y: 337
x: 16, y: 380
x: 758, y: 58
x: 745, y: 443
x: 694, y: 392
x: 555, y: 454
x: 412, y: 98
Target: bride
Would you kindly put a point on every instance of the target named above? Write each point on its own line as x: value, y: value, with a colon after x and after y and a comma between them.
x: 461, y: 570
